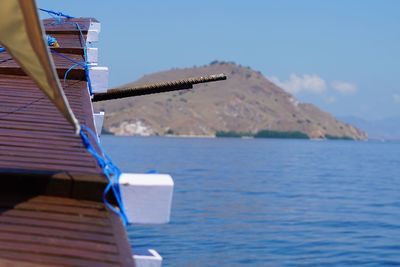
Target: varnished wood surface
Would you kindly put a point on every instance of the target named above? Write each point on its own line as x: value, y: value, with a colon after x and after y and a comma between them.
x: 51, y: 210
x: 60, y: 232
x: 33, y: 133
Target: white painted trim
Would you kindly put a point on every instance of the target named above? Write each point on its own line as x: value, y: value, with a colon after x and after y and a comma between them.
x: 146, y: 179
x: 93, y: 32
x: 92, y: 36
x: 98, y: 78
x: 98, y: 122
x: 92, y: 55
x: 147, y: 198
x: 95, y: 26
x: 152, y: 260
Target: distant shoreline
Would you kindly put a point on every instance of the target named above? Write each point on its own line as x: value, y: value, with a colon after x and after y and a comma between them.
x: 263, y: 134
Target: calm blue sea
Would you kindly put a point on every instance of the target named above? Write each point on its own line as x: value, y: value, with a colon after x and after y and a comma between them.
x: 263, y: 202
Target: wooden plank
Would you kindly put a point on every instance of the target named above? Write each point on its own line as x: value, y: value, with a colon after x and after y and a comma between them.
x: 68, y: 234
x: 17, y: 263
x: 58, y: 242
x: 122, y: 241
x: 72, y: 235
x: 12, y: 164
x: 64, y: 209
x: 51, y: 200
x: 54, y: 251
x: 61, y: 60
x: 56, y: 217
x: 52, y: 25
x: 47, y: 260
x: 55, y: 225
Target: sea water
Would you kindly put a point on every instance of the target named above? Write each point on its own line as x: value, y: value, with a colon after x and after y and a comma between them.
x: 265, y: 202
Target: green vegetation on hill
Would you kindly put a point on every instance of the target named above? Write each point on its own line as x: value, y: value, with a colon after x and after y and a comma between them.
x: 169, y: 132
x: 332, y: 137
x: 277, y: 134
x: 232, y: 134
x: 264, y: 134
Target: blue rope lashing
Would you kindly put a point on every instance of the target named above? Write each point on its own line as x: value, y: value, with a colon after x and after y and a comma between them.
x: 2, y: 49
x: 110, y: 170
x: 83, y: 43
x: 58, y: 14
x: 71, y: 68
x: 76, y: 63
x: 68, y: 58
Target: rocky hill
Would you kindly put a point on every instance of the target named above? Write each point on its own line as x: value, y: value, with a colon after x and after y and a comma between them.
x: 245, y: 102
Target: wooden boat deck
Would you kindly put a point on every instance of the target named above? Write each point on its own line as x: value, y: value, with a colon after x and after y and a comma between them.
x: 51, y: 211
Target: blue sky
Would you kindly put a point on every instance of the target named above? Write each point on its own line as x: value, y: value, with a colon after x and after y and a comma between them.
x: 343, y: 56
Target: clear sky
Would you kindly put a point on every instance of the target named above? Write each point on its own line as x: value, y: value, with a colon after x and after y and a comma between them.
x: 342, y: 55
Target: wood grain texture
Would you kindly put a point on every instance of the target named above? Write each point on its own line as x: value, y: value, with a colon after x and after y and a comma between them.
x: 61, y: 231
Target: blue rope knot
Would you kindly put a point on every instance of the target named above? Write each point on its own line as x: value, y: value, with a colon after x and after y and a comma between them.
x: 110, y: 170
x: 51, y: 41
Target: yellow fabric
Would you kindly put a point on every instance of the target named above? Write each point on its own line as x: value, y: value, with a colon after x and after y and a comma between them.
x: 22, y: 35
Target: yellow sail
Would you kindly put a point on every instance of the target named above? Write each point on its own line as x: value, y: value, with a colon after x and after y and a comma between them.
x: 22, y: 35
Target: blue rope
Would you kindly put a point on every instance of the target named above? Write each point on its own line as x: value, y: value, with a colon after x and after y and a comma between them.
x: 71, y: 68
x: 110, y: 170
x: 83, y: 43
x: 58, y: 14
x: 68, y: 58
x: 52, y: 40
x: 2, y: 49
x: 76, y: 63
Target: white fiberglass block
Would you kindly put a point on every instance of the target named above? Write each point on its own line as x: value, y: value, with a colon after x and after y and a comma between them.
x: 95, y: 26
x: 92, y: 55
x: 148, y: 259
x: 98, y: 121
x: 147, y: 198
x: 99, y: 78
x: 93, y: 32
x: 92, y: 36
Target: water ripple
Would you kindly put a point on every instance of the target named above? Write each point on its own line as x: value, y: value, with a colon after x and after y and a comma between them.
x: 271, y: 202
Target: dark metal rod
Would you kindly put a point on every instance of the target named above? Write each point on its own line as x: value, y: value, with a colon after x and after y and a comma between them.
x: 155, y: 88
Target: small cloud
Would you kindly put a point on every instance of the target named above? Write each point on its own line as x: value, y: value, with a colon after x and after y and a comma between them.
x: 344, y: 87
x: 310, y: 83
x: 396, y: 98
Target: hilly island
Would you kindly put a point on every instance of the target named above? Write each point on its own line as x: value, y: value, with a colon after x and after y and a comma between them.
x: 246, y: 104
